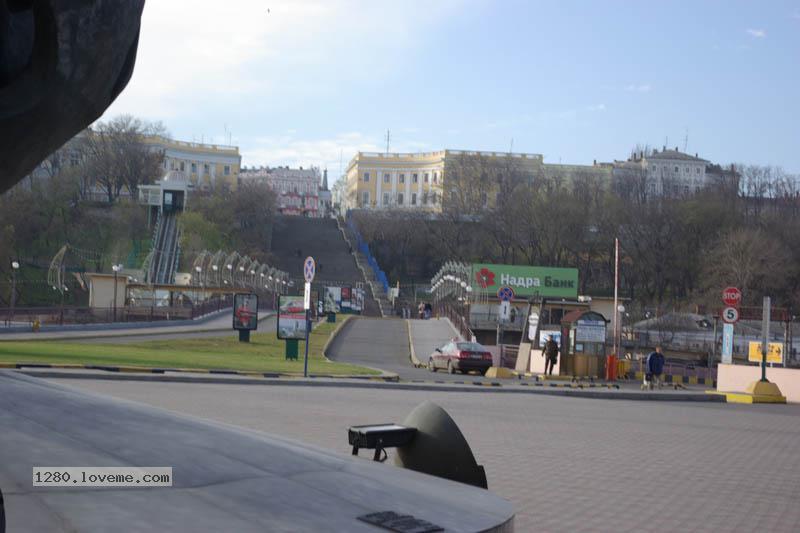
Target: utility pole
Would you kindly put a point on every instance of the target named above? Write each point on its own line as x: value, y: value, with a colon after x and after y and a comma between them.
x: 616, y: 296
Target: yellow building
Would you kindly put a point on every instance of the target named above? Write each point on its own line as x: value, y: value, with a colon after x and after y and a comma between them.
x: 420, y: 180
x: 205, y: 165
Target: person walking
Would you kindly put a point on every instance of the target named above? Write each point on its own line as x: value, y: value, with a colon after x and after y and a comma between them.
x: 421, y: 310
x: 550, y: 353
x: 655, y: 367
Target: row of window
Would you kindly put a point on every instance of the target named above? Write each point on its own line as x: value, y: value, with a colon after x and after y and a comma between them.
x: 226, y: 170
x: 427, y: 199
x: 402, y: 177
x: 686, y: 170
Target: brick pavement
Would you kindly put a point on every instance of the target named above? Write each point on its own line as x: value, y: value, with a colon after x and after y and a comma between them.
x: 567, y: 464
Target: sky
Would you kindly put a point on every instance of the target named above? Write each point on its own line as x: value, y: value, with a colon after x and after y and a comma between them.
x: 311, y: 82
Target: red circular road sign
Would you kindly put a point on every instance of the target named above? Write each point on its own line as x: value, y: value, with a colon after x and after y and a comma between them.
x: 731, y: 296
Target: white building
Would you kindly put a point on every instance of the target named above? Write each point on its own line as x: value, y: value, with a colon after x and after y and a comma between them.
x: 297, y: 189
x: 665, y: 173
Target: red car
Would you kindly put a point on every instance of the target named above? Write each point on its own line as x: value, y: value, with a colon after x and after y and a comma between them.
x: 461, y: 356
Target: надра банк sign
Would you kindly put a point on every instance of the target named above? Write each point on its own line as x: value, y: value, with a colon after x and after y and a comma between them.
x: 526, y: 280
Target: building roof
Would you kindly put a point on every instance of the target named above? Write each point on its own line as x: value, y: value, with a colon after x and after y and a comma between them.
x: 674, y: 155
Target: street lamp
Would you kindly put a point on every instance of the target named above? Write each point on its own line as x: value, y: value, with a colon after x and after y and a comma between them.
x: 13, y: 299
x: 200, y: 277
x: 116, y: 269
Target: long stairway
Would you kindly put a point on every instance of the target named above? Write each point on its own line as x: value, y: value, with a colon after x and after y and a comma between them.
x: 166, y: 250
x: 294, y: 238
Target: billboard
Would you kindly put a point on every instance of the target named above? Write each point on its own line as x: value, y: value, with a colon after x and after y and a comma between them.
x: 774, y: 352
x: 245, y: 312
x: 548, y: 282
x: 357, y: 301
x: 291, y: 317
x: 333, y: 299
x: 346, y: 301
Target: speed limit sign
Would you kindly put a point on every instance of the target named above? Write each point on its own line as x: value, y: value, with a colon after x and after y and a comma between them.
x: 730, y: 315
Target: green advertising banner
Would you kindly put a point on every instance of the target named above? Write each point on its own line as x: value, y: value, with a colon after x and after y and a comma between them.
x: 526, y: 280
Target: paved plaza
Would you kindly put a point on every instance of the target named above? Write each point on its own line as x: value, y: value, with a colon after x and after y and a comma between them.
x: 567, y: 464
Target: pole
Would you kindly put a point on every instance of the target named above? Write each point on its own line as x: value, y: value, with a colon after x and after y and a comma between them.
x: 713, y: 357
x: 616, y: 295
x: 13, y: 293
x: 765, y: 338
x: 115, y: 293
x: 308, y: 331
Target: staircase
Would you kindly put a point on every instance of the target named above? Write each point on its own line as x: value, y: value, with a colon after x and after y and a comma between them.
x: 294, y: 238
x: 376, y: 287
x: 166, y: 250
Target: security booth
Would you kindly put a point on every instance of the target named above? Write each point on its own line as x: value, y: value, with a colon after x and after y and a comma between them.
x: 583, y: 347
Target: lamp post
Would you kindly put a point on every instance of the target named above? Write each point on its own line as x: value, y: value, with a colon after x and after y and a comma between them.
x: 200, y: 277
x: 116, y: 269
x: 13, y: 299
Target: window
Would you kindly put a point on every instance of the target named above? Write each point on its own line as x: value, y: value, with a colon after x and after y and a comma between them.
x: 400, y: 199
x: 686, y: 170
x: 433, y: 198
x: 426, y: 178
x: 435, y: 177
x: 697, y: 170
x: 366, y: 177
x: 424, y: 198
x: 365, y: 199
x: 183, y: 166
x: 386, y: 178
x: 413, y: 198
x: 194, y: 168
x: 676, y: 169
x: 415, y: 178
x: 227, y: 170
x: 386, y: 198
x: 402, y: 178
x: 205, y: 169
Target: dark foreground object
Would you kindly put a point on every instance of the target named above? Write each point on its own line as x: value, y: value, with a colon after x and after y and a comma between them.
x: 62, y: 63
x: 225, y: 479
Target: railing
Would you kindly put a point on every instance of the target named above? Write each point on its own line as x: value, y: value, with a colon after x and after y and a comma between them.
x: 456, y: 318
x: 364, y: 249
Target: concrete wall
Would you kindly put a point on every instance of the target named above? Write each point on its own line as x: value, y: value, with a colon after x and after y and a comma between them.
x: 736, y: 378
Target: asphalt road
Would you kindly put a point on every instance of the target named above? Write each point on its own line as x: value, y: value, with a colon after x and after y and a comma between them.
x: 567, y: 464
x: 383, y: 343
x: 224, y: 478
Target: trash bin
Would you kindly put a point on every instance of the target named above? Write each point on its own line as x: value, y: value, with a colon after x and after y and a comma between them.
x: 611, y: 367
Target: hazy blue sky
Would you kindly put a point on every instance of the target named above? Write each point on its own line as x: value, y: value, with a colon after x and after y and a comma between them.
x: 575, y: 81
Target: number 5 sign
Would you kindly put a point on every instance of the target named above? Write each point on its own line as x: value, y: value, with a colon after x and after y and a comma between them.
x: 730, y: 315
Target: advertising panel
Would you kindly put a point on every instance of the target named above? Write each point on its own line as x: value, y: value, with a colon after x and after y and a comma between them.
x: 346, y: 302
x: 333, y: 299
x: 774, y: 352
x: 590, y: 331
x: 556, y: 334
x: 245, y: 312
x: 525, y: 280
x: 358, y: 299
x: 291, y: 317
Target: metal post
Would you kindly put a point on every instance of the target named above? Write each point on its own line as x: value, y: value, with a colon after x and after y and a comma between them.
x: 713, y: 356
x: 115, y: 293
x: 13, y: 299
x: 308, y: 334
x: 765, y: 319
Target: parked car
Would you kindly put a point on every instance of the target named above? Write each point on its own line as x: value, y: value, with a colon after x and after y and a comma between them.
x: 461, y: 356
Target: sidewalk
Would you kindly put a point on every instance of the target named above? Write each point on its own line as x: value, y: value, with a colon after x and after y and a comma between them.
x: 223, y: 323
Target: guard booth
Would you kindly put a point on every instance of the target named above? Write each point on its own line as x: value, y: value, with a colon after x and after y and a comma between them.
x: 583, y: 348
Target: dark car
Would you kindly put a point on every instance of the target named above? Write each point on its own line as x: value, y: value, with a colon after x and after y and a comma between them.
x: 461, y: 356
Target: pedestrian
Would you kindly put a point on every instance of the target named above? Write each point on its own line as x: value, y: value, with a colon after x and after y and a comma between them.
x: 428, y: 311
x: 550, y: 354
x: 654, y: 367
x: 421, y: 310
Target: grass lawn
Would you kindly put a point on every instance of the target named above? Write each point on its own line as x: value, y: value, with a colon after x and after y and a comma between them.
x: 264, y: 353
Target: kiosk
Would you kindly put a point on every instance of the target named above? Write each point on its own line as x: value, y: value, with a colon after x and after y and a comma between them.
x: 583, y: 347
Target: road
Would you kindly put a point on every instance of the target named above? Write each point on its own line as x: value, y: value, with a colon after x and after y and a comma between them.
x: 224, y: 478
x: 383, y: 343
x: 567, y: 464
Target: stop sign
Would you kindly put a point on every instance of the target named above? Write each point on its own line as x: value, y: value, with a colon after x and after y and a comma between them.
x: 731, y: 296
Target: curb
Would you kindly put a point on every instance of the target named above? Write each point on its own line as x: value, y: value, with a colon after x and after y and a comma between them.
x: 364, y: 382
x: 388, y: 377
x: 415, y: 362
x: 333, y: 335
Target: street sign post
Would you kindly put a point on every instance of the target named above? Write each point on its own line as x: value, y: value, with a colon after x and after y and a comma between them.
x: 505, y: 310
x: 730, y: 315
x: 309, y: 270
x: 727, y: 344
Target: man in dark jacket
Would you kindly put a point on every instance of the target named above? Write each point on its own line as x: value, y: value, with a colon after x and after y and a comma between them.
x: 550, y: 353
x: 655, y: 367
